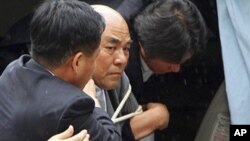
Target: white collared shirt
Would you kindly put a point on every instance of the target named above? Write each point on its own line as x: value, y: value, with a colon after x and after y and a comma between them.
x: 146, y: 72
x: 100, y: 95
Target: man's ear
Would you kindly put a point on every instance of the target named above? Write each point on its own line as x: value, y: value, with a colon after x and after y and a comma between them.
x: 77, y: 62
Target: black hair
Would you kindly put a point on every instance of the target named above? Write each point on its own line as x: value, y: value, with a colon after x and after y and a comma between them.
x: 167, y: 29
x: 60, y: 28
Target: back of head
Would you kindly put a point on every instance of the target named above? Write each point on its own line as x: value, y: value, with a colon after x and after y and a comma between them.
x: 167, y: 29
x: 60, y: 28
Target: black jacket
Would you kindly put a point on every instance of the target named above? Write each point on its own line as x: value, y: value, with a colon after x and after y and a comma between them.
x: 36, y: 105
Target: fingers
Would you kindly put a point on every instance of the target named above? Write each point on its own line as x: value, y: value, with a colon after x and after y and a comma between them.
x: 67, y: 135
x: 82, y: 136
x: 64, y: 135
x: 86, y: 138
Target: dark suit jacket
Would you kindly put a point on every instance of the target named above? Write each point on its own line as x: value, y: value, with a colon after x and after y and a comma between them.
x: 36, y: 105
x: 186, y: 103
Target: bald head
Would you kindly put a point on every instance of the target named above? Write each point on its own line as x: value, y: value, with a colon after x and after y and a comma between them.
x: 115, y: 44
x: 110, y: 15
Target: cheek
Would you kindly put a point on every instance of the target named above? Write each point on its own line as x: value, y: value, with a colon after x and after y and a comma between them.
x: 100, y: 72
x: 103, y: 64
x: 92, y: 70
x: 101, y: 79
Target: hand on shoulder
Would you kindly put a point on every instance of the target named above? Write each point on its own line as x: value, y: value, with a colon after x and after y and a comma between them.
x: 67, y: 135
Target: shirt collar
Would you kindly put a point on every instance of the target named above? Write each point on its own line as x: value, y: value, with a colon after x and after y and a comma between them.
x: 146, y: 72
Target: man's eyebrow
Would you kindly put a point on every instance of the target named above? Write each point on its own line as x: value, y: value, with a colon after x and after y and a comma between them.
x: 113, y: 40
x: 129, y: 42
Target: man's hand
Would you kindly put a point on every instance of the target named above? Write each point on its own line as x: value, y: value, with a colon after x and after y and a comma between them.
x: 90, y: 90
x: 67, y: 135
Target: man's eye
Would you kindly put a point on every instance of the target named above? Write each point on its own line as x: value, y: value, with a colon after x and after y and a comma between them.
x: 110, y: 48
x: 127, y: 48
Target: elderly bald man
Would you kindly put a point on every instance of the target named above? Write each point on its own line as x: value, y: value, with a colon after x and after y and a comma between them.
x: 112, y: 83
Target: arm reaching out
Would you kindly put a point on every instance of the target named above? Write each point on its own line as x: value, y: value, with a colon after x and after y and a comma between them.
x: 155, y: 117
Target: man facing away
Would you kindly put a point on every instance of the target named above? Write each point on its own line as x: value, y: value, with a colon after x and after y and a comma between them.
x: 41, y: 94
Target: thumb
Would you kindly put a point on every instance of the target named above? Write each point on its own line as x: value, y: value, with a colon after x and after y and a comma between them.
x: 66, y: 134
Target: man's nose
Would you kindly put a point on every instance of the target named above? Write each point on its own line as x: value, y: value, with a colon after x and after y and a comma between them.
x: 121, y: 58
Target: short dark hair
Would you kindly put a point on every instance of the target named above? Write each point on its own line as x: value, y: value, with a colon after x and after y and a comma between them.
x: 60, y: 28
x: 167, y: 29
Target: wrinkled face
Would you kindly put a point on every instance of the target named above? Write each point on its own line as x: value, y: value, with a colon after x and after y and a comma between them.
x: 114, y: 53
x: 159, y: 66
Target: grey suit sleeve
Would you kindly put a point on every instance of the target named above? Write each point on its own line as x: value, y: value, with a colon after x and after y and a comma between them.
x: 131, y: 104
x: 83, y: 115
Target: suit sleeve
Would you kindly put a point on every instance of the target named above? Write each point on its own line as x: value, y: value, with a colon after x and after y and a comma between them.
x: 83, y: 115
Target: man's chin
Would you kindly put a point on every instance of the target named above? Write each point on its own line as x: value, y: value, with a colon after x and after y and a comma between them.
x: 111, y: 85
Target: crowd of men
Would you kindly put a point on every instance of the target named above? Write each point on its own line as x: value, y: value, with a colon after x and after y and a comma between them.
x: 92, y: 67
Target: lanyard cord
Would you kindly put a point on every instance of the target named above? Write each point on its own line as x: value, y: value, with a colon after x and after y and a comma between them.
x: 120, y: 106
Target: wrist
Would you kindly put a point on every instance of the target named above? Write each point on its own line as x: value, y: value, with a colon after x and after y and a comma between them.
x: 97, y: 103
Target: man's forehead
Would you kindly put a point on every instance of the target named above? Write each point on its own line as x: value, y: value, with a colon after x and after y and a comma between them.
x: 113, y: 39
x: 116, y: 30
x: 116, y: 40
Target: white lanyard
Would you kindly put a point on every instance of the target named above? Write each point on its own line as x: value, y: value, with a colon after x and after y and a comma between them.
x: 120, y: 106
